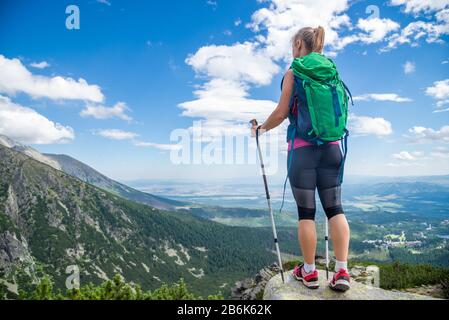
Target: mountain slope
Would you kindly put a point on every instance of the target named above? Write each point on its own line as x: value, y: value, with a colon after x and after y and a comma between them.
x: 89, y: 175
x: 50, y: 221
x: 10, y: 143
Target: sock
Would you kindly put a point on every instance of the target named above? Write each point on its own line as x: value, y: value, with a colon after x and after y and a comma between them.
x: 308, y: 268
x: 341, y: 265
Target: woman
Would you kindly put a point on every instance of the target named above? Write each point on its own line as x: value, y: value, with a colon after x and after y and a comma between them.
x: 313, y: 166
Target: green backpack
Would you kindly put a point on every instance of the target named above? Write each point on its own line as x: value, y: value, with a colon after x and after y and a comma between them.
x: 319, y: 103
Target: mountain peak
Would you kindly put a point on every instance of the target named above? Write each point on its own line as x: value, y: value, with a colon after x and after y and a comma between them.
x: 30, y: 152
x: 8, y: 142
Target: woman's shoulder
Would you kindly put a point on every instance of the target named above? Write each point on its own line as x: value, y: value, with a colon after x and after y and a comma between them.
x: 289, y: 74
x: 288, y: 78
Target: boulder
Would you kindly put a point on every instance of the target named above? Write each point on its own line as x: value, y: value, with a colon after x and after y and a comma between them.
x: 294, y: 290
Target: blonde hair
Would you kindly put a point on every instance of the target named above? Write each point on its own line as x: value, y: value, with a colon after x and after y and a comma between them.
x: 313, y: 38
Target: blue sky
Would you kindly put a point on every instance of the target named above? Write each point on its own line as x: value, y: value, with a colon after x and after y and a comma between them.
x: 149, y: 67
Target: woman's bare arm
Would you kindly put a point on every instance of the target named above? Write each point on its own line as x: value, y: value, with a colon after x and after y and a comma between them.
x: 281, y: 112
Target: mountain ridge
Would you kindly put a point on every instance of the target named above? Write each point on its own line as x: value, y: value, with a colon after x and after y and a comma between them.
x: 89, y: 175
x: 50, y: 221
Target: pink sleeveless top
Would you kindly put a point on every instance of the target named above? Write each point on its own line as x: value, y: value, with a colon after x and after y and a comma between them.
x: 299, y: 143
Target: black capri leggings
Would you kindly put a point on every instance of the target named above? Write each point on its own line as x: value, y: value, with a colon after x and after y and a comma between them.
x: 316, y: 167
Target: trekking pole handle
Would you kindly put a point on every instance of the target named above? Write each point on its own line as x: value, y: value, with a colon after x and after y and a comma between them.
x: 254, y: 123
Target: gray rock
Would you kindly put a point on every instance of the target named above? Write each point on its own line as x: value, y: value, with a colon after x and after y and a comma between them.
x: 251, y: 289
x: 294, y: 290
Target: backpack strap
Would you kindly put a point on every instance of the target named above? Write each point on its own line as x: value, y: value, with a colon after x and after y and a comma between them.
x: 349, y: 92
x: 289, y: 163
x: 306, y: 85
x: 344, y: 146
x: 336, y: 104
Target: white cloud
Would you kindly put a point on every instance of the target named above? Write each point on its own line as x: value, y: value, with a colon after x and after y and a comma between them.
x: 239, y: 62
x: 376, y: 29
x: 363, y: 125
x: 237, y: 22
x: 418, y: 6
x: 392, y: 97
x: 407, y: 156
x: 101, y: 112
x: 419, y: 134
x: 163, y: 147
x: 40, y: 65
x: 212, y: 3
x: 106, y: 2
x: 277, y: 23
x: 405, y: 164
x: 27, y: 126
x: 440, y: 92
x: 415, y: 31
x: 15, y: 77
x: 116, y: 134
x: 409, y: 67
x: 226, y: 101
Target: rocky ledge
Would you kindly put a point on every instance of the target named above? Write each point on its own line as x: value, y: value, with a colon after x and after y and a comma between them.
x: 294, y: 290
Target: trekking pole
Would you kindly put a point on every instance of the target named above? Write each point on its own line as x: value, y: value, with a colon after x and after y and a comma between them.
x: 254, y: 123
x: 326, y: 239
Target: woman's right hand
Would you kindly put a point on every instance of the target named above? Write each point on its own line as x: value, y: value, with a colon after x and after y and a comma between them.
x: 254, y: 130
x: 254, y: 126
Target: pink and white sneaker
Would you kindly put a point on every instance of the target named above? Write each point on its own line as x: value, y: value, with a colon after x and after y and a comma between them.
x: 310, y: 280
x: 340, y: 281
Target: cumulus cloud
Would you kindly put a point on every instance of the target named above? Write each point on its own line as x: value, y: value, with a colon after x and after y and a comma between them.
x: 101, y: 112
x: 419, y: 134
x: 15, y: 78
x: 277, y: 23
x: 239, y: 62
x: 414, y: 32
x: 391, y: 97
x: 225, y: 100
x: 363, y: 125
x: 376, y: 29
x: 417, y: 6
x: 409, y: 67
x: 116, y: 134
x: 439, y: 90
x: 40, y: 65
x: 29, y: 127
